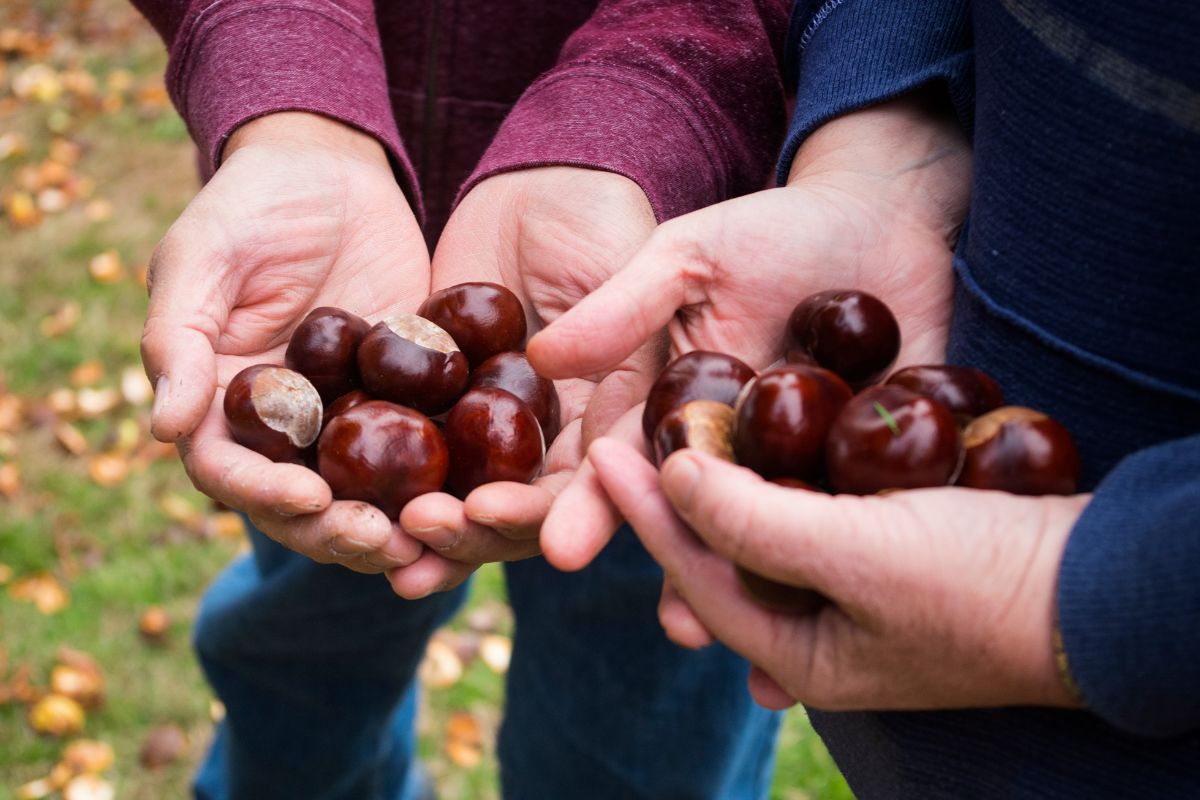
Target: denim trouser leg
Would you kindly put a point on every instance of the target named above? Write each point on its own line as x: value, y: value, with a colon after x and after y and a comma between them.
x: 315, y: 665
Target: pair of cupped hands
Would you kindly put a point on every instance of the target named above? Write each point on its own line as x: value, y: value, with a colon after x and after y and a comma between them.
x: 938, y: 598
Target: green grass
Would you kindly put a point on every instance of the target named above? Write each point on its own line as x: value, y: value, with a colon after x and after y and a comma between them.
x: 122, y: 552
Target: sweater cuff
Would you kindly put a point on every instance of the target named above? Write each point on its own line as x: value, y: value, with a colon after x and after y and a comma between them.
x: 642, y: 130
x: 239, y: 59
x: 1128, y: 596
x: 848, y: 54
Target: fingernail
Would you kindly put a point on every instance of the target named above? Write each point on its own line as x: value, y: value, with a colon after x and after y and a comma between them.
x: 345, y: 546
x: 679, y: 477
x: 437, y: 537
x: 161, y: 390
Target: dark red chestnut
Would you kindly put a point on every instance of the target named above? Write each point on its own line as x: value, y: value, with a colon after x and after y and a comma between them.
x: 1019, y: 450
x: 273, y: 411
x: 345, y: 403
x: 698, y: 375
x: 847, y: 331
x: 513, y: 373
x: 484, y: 318
x: 889, y: 437
x: 324, y: 349
x: 411, y: 361
x: 966, y: 391
x: 383, y: 454
x: 704, y: 425
x: 782, y: 420
x: 492, y: 436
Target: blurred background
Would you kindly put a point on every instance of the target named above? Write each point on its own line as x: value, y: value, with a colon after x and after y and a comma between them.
x: 105, y: 548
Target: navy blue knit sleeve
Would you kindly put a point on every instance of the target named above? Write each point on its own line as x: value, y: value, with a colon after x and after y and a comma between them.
x: 848, y: 54
x: 1129, y: 593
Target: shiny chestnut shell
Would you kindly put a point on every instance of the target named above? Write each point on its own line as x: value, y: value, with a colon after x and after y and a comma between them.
x: 492, y: 436
x: 410, y: 361
x: 783, y: 418
x: 383, y: 454
x: 847, y: 331
x: 698, y: 375
x: 273, y: 411
x: 1019, y: 450
x: 346, y: 402
x: 703, y: 425
x: 966, y: 391
x: 513, y: 373
x: 324, y: 349
x: 889, y: 437
x: 484, y: 318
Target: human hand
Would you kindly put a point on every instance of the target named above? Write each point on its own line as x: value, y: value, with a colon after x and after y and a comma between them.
x: 939, y: 598
x: 303, y: 212
x: 551, y: 235
x: 874, y: 202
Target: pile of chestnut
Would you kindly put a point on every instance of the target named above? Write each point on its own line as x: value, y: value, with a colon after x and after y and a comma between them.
x: 824, y: 422
x: 440, y: 399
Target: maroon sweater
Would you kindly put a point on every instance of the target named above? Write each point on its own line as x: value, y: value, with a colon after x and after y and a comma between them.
x: 682, y: 96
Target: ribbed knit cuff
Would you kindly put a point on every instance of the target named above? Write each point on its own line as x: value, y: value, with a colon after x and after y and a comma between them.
x: 614, y: 120
x: 239, y: 59
x: 1129, y: 597
x: 848, y: 54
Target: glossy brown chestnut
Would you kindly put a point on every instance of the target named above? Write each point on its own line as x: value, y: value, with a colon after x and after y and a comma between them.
x: 783, y: 418
x: 513, y: 373
x: 698, y: 375
x: 1019, y: 450
x: 324, y: 349
x: 345, y: 403
x: 847, y: 331
x: 273, y: 411
x: 889, y: 437
x: 383, y: 454
x: 966, y: 391
x: 484, y: 319
x: 411, y: 361
x: 492, y: 436
x: 704, y: 425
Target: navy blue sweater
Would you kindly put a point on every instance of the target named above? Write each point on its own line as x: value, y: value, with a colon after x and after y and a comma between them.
x: 1078, y: 288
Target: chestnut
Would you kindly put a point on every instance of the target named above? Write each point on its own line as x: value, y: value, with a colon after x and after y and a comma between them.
x: 411, y: 361
x: 383, y: 454
x: 1019, y: 450
x: 324, y: 349
x: 273, y: 411
x: 492, y: 436
x: 783, y: 418
x: 484, y: 318
x: 513, y: 373
x: 890, y: 437
x: 345, y: 403
x: 966, y: 391
x: 847, y: 331
x: 698, y: 375
x: 704, y: 425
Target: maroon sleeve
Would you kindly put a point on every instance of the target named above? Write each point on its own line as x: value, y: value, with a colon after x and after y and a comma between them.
x: 234, y: 60
x: 684, y: 97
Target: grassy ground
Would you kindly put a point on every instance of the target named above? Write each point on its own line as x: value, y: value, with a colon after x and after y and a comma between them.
x: 86, y: 134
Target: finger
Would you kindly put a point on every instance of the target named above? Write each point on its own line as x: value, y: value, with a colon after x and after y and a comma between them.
x: 515, y: 511
x: 349, y: 532
x: 429, y: 574
x: 583, y: 519
x: 766, y: 692
x: 438, y: 520
x: 668, y: 273
x: 243, y: 479
x: 183, y: 324
x: 681, y: 624
x: 623, y: 388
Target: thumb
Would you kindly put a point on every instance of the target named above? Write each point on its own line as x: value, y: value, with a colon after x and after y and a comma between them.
x: 183, y: 323
x: 606, y: 327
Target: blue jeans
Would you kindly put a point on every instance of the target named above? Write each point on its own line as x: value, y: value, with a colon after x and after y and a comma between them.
x: 316, y: 667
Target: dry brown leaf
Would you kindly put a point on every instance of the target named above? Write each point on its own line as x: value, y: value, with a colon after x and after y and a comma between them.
x: 106, y: 267
x: 38, y: 82
x: 10, y: 412
x: 108, y: 469
x: 119, y: 81
x: 62, y: 320
x: 464, y: 740
x: 153, y: 97
x: 9, y: 446
x: 89, y: 787
x: 22, y: 210
x: 153, y: 624
x: 52, y: 173
x: 84, y: 686
x: 441, y: 666
x: 87, y: 373
x: 53, y: 201
x: 87, y: 756
x: 135, y: 386
x: 98, y: 210
x: 36, y: 790
x: 126, y: 436
x: 13, y: 145
x: 10, y: 480
x: 64, y: 151
x: 71, y: 438
x: 178, y: 509
x: 56, y: 715
x: 80, y: 83
x: 43, y: 590
x: 496, y: 651
x: 163, y: 745
x: 94, y: 403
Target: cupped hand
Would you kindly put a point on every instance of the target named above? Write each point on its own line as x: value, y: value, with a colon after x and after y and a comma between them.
x: 303, y: 212
x: 940, y: 598
x: 874, y: 202
x: 551, y: 235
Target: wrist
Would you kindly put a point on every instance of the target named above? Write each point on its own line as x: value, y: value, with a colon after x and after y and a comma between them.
x: 304, y: 130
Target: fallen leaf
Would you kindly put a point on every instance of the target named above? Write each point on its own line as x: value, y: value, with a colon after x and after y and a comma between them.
x: 62, y: 320
x: 496, y: 651
x: 89, y: 787
x: 226, y: 525
x: 10, y: 480
x: 441, y: 666
x: 154, y: 624
x: 9, y: 446
x: 108, y: 469
x: 37, y: 82
x: 119, y: 80
x: 52, y: 173
x: 135, y: 386
x: 36, y: 790
x: 80, y: 83
x: 162, y: 746
x: 98, y: 210
x: 87, y: 373
x: 87, y: 756
x: 84, y: 686
x: 71, y: 438
x: 52, y: 201
x: 126, y: 437
x: 63, y: 402
x: 464, y: 741
x: 178, y: 509
x: 94, y: 403
x: 56, y: 715
x: 64, y: 151
x: 10, y: 412
x: 43, y: 590
x: 22, y: 210
x: 13, y: 145
x: 106, y: 267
